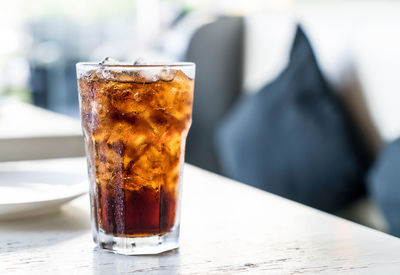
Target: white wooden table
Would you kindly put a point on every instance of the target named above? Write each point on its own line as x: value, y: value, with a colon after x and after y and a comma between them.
x: 29, y: 132
x: 227, y: 227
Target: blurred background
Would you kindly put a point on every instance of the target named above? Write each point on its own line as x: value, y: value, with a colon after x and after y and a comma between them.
x: 238, y: 46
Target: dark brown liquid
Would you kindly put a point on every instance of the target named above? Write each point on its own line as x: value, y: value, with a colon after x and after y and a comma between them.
x: 134, y: 132
x: 139, y: 213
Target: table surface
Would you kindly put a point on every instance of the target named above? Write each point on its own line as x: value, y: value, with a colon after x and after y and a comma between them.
x: 22, y: 120
x: 227, y: 227
x: 29, y: 132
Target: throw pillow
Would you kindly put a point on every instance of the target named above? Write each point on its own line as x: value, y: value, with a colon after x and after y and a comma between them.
x: 293, y: 138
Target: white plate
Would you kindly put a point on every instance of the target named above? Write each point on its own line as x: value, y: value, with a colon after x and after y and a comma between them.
x: 27, y: 192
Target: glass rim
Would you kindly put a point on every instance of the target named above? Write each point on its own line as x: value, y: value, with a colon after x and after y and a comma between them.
x: 127, y: 65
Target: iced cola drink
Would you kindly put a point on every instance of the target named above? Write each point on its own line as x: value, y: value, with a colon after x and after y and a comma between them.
x: 135, y: 120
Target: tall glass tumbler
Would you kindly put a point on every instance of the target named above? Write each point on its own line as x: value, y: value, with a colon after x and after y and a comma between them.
x: 135, y: 120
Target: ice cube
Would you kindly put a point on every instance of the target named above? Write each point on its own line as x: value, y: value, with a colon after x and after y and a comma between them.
x: 148, y: 75
x: 167, y: 74
x: 108, y: 61
x: 140, y: 61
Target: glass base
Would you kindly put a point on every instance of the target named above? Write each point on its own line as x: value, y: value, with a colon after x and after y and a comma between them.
x: 138, y: 245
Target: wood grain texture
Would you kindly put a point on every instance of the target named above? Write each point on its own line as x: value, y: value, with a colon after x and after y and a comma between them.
x: 227, y: 227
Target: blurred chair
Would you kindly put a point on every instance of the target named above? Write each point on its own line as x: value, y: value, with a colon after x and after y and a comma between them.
x: 217, y: 50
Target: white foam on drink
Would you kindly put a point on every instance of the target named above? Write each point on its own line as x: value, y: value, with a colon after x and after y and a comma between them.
x: 160, y: 71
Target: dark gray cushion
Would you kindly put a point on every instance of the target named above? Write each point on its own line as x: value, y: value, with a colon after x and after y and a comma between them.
x: 292, y: 138
x: 384, y: 185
